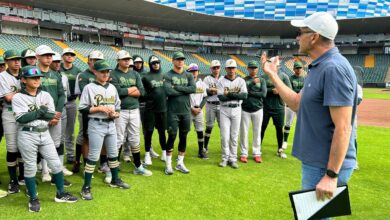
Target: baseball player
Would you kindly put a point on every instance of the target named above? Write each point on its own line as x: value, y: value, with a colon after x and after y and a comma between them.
x: 29, y: 57
x: 198, y: 100
x: 139, y: 68
x: 231, y: 91
x: 155, y: 108
x: 252, y: 111
x: 297, y: 81
x: 274, y: 108
x: 52, y: 84
x: 9, y: 86
x: 178, y: 87
x: 70, y: 71
x: 212, y: 104
x: 129, y: 86
x: 34, y: 109
x: 100, y: 101
x: 2, y: 64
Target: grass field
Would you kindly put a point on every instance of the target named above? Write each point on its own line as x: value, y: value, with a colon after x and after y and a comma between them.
x: 254, y: 191
x: 376, y: 93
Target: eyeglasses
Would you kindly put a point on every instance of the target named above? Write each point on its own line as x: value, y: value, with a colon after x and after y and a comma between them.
x: 300, y: 33
x: 32, y: 72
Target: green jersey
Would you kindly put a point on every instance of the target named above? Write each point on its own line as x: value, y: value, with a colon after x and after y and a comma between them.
x: 124, y: 80
x: 297, y: 82
x: 256, y: 93
x: 156, y: 99
x: 85, y: 78
x: 52, y: 83
x: 72, y: 75
x: 274, y: 101
x: 178, y: 87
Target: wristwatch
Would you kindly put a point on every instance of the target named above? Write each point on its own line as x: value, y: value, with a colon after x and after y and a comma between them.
x: 331, y: 173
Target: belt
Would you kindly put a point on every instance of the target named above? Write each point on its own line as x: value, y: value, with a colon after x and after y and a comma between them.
x: 35, y: 129
x: 232, y: 105
x: 72, y: 97
x: 214, y: 103
x: 102, y: 119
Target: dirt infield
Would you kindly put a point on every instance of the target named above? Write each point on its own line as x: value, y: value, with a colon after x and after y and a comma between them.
x: 374, y: 112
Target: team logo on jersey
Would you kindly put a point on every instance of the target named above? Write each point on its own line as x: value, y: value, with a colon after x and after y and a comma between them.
x: 14, y: 89
x: 32, y: 107
x: 48, y: 82
x: 100, y: 100
x: 233, y: 89
x: 213, y: 85
x: 199, y: 90
x: 156, y: 84
x: 179, y: 81
x: 127, y: 82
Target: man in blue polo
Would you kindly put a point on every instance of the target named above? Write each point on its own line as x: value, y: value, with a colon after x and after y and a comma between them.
x: 326, y: 107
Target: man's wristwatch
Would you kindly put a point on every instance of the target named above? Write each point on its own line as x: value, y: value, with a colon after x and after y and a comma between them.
x: 331, y: 173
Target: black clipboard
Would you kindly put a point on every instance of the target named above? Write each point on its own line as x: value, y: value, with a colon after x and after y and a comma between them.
x: 338, y: 205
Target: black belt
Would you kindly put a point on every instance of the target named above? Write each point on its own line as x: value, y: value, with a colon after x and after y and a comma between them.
x: 214, y: 103
x: 102, y: 119
x: 34, y: 129
x: 72, y: 97
x: 232, y: 105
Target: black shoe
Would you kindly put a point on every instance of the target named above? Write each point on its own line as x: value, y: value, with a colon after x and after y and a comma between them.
x: 203, y: 154
x: 13, y: 187
x: 34, y: 205
x: 76, y: 167
x: 118, y: 183
x: 66, y: 183
x: 86, y: 193
x: 65, y: 197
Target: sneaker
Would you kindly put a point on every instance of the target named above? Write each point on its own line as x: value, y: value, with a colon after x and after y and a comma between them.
x: 243, y: 159
x: 142, y: 171
x: 13, y: 187
x: 163, y: 156
x: 233, y: 165
x: 281, y: 154
x: 67, y: 172
x: 46, y: 177
x: 3, y: 193
x: 86, y: 193
x: 21, y: 182
x: 104, y: 168
x: 65, y: 197
x: 118, y: 183
x: 126, y: 158
x: 284, y: 145
x: 66, y: 183
x: 223, y: 163
x: 148, y: 159
x: 258, y: 159
x: 76, y: 167
x: 168, y: 170
x: 203, y: 155
x: 182, y: 168
x: 153, y: 153
x: 34, y: 205
x: 108, y: 177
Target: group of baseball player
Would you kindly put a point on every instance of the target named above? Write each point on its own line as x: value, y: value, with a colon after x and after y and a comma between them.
x: 39, y: 88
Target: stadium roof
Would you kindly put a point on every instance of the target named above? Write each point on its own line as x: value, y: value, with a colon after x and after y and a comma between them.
x: 155, y: 15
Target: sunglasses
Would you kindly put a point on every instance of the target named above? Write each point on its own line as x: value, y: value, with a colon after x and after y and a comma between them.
x: 216, y: 67
x: 32, y: 72
x: 155, y: 63
x: 300, y: 33
x: 70, y: 54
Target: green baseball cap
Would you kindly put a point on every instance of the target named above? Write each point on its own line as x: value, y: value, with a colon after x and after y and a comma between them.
x: 253, y: 64
x: 178, y: 55
x: 31, y: 71
x: 2, y: 60
x: 12, y: 54
x: 102, y: 65
x: 298, y: 64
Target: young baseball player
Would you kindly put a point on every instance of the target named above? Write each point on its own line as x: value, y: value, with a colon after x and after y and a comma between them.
x: 100, y: 101
x: 34, y: 109
x: 70, y: 71
x: 29, y: 57
x: 198, y: 100
x: 129, y: 86
x: 297, y: 81
x: 231, y: 91
x: 178, y: 87
x: 9, y: 86
x: 155, y: 108
x: 212, y: 104
x: 252, y: 111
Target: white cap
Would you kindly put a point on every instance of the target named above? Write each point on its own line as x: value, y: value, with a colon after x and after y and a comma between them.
x: 154, y: 59
x: 29, y: 53
x: 68, y: 50
x: 96, y: 55
x: 215, y: 63
x: 131, y: 62
x: 231, y: 63
x: 44, y: 49
x: 122, y: 54
x: 321, y: 22
x: 56, y: 57
x: 138, y: 59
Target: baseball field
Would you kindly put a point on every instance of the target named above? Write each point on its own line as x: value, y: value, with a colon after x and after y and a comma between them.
x: 254, y: 191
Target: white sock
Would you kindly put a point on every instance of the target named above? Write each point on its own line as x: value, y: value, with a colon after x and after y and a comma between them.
x: 180, y: 159
x: 168, y: 161
x: 164, y: 152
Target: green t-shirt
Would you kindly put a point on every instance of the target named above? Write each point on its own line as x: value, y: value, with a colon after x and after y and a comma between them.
x: 155, y: 97
x: 85, y: 78
x: 297, y: 82
x: 256, y: 94
x: 274, y: 101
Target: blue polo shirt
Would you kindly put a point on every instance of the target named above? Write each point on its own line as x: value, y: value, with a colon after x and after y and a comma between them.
x: 331, y: 81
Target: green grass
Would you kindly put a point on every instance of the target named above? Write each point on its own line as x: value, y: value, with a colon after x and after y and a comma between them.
x: 376, y: 93
x: 254, y: 191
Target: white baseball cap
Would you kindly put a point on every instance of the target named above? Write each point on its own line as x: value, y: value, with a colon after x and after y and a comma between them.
x: 44, y: 49
x: 29, y: 53
x: 215, y: 63
x: 154, y: 59
x: 230, y: 63
x: 68, y: 50
x: 56, y: 57
x: 321, y: 22
x: 96, y: 55
x: 138, y: 59
x: 122, y: 54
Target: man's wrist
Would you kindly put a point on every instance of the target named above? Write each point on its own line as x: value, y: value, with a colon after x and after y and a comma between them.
x: 332, y: 174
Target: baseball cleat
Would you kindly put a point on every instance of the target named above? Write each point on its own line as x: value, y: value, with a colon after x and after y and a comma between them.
x: 168, y: 170
x: 21, y: 182
x: 67, y: 172
x: 118, y: 183
x: 3, y: 193
x: 13, y: 187
x: 281, y: 154
x: 182, y: 168
x: 153, y: 153
x: 244, y: 159
x: 65, y: 197
x: 34, y: 205
x: 233, y: 165
x: 223, y: 163
x: 258, y: 159
x: 142, y: 171
x: 86, y: 193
